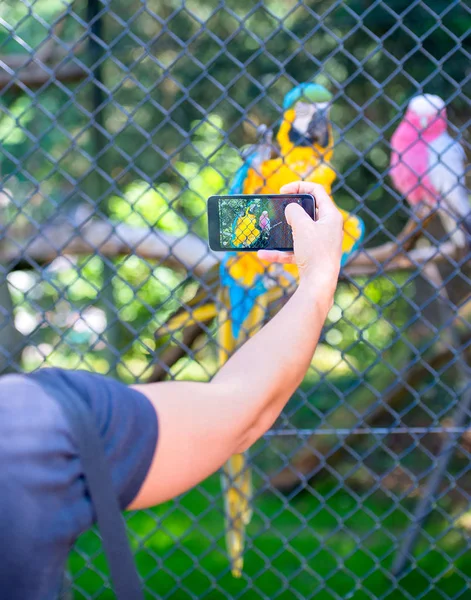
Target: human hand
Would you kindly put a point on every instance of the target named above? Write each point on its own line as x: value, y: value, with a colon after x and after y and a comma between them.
x: 317, y: 244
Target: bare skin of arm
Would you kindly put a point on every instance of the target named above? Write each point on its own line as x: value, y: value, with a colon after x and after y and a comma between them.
x: 202, y: 424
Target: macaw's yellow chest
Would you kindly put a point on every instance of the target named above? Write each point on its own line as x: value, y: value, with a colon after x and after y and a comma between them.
x: 246, y: 231
x: 300, y: 164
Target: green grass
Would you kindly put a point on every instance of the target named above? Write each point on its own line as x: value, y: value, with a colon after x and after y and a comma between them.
x: 331, y: 550
x: 326, y: 544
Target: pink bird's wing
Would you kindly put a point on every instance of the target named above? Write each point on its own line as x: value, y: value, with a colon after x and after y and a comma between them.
x: 447, y: 173
x: 409, y: 165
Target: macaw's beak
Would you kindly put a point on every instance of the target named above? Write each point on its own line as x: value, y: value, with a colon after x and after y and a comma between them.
x: 318, y: 129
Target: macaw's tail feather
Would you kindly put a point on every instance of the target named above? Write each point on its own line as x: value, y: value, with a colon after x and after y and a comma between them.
x: 236, y: 477
x: 237, y: 488
x: 241, y: 297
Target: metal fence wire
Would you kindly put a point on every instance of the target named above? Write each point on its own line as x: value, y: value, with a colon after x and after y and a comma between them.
x: 119, y: 118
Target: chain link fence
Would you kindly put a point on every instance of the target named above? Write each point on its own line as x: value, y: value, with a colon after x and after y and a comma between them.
x: 118, y: 120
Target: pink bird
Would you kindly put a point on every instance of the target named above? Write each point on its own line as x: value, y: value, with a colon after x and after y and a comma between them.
x: 428, y: 165
x: 264, y: 221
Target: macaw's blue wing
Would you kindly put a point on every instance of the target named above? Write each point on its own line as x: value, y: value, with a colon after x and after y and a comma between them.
x: 237, y: 185
x: 354, y: 232
x: 242, y: 295
x: 242, y: 298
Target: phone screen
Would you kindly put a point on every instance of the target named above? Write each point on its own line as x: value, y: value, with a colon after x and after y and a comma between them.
x: 254, y: 222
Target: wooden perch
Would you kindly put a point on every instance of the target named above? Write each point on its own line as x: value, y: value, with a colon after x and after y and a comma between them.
x: 52, y: 61
x: 366, y: 262
x: 389, y: 256
x: 102, y: 237
x: 35, y: 76
x: 400, y: 254
x: 174, y: 353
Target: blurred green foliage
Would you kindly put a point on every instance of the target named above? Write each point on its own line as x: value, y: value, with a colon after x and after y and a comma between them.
x: 329, y: 564
x: 187, y: 87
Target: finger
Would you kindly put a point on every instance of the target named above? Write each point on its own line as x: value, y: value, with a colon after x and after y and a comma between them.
x: 325, y: 205
x: 297, y: 187
x: 324, y: 202
x: 275, y: 256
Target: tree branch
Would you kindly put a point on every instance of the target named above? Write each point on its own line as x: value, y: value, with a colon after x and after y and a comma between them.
x: 175, y: 352
x: 400, y: 254
x: 43, y: 65
x: 366, y: 262
x: 192, y: 253
x: 36, y: 76
x: 107, y: 239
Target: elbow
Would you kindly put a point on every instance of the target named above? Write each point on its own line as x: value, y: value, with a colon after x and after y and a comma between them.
x: 257, y: 428
x: 247, y: 439
x: 244, y: 415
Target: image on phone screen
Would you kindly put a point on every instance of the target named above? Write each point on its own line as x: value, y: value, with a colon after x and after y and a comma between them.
x: 255, y: 223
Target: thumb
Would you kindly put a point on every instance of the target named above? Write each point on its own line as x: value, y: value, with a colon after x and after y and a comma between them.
x: 297, y: 217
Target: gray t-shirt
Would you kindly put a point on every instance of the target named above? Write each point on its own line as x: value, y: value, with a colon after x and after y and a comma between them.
x: 126, y: 422
x: 44, y: 502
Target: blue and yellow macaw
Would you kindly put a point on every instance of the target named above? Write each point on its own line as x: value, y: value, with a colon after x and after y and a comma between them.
x: 245, y: 231
x: 248, y: 286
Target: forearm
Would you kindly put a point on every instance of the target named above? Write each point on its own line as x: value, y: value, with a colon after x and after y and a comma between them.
x: 265, y: 372
x: 202, y: 424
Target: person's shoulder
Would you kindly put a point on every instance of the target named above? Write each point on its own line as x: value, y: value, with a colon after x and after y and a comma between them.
x: 48, y: 374
x: 88, y: 384
x: 61, y: 373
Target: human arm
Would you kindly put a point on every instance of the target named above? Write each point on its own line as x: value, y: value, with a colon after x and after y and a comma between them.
x: 202, y: 424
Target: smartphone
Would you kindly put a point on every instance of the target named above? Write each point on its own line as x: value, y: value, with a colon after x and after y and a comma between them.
x: 247, y: 223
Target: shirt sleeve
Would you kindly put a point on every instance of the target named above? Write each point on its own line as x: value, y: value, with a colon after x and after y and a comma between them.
x: 126, y: 420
